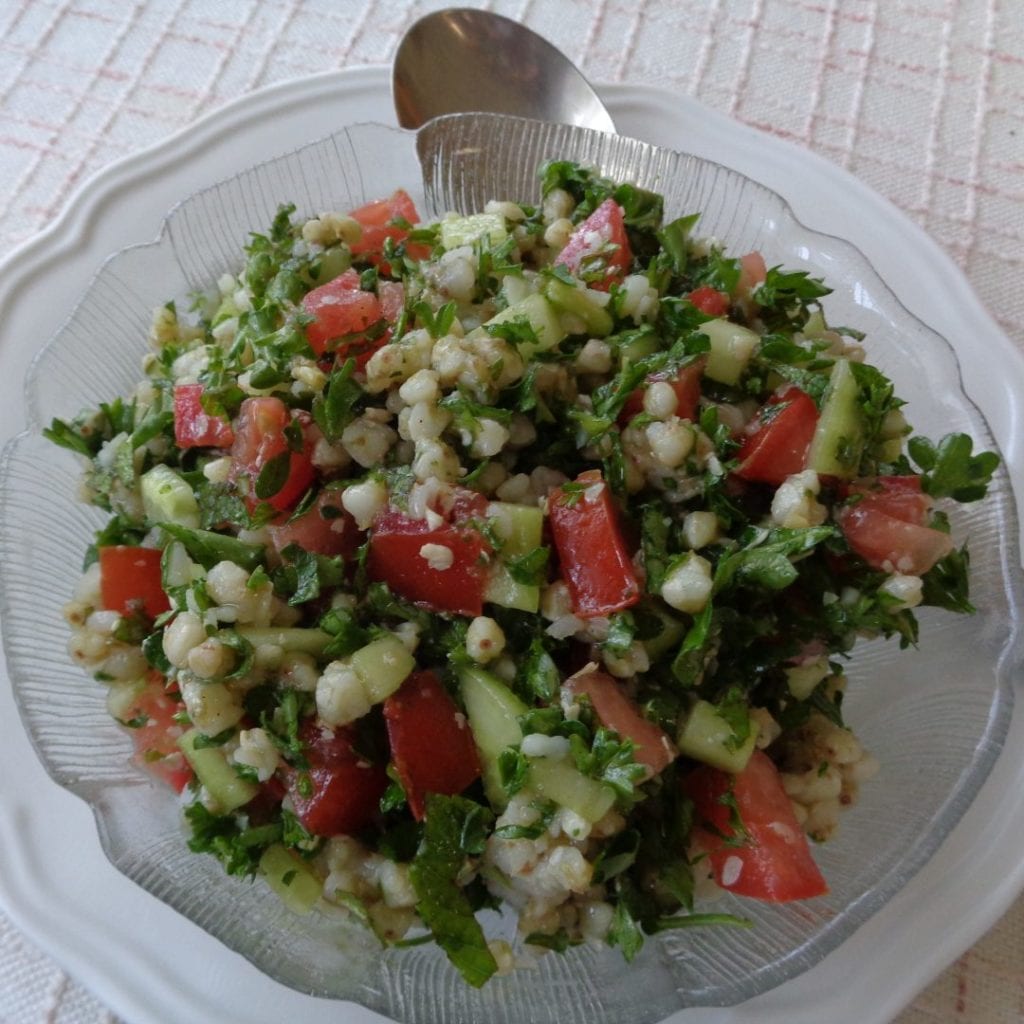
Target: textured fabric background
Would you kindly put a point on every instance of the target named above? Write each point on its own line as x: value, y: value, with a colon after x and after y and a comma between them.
x: 921, y: 99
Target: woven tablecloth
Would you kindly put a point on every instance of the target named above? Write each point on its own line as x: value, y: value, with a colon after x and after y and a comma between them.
x: 921, y: 99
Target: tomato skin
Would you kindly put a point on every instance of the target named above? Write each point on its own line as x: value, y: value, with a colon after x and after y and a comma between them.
x: 710, y: 301
x: 324, y: 529
x: 375, y: 217
x: 885, y: 526
x: 686, y: 384
x: 775, y: 864
x: 394, y: 558
x: 607, y: 223
x: 260, y: 437
x: 339, y: 308
x: 431, y: 744
x: 130, y: 580
x: 391, y: 295
x: 616, y: 711
x: 156, y: 742
x: 752, y: 272
x: 193, y: 426
x: 346, y: 789
x: 777, y: 439
x: 595, y: 562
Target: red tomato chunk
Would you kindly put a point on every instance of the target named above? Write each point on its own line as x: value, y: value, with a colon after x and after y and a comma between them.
x: 777, y: 439
x: 709, y: 301
x: 774, y: 863
x: 431, y: 744
x: 324, y: 529
x: 616, y: 711
x: 598, y: 249
x: 130, y: 581
x: 155, y: 733
x: 885, y: 526
x: 341, y: 792
x: 449, y: 577
x: 259, y: 438
x: 593, y: 556
x: 193, y: 426
x: 383, y: 219
x: 338, y: 309
x: 685, y: 383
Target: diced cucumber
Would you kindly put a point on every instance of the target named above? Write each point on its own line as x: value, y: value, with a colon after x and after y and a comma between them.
x: 291, y: 878
x: 226, y: 788
x: 332, y: 263
x: 520, y: 528
x: 176, y: 568
x: 540, y: 315
x: 501, y: 589
x: 456, y: 231
x: 669, y: 636
x: 803, y: 679
x: 640, y: 344
x: 731, y: 349
x: 579, y: 302
x: 120, y: 697
x: 839, y: 437
x: 706, y: 736
x: 561, y: 781
x: 166, y: 498
x: 493, y: 711
x: 307, y: 641
x: 382, y: 666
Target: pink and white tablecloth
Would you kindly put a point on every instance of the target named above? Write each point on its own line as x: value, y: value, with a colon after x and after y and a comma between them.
x: 921, y: 99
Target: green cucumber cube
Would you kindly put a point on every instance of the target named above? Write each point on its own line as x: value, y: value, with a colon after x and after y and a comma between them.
x: 225, y: 786
x: 166, y: 498
x: 562, y: 782
x: 579, y: 302
x: 291, y: 878
x: 540, y: 315
x: 838, y: 440
x: 707, y: 737
x: 487, y: 227
x: 382, y: 666
x: 732, y: 347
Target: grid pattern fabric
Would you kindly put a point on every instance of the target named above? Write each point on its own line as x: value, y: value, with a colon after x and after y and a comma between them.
x: 921, y: 99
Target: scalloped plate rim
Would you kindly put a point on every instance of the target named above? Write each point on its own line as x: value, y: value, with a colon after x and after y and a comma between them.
x: 92, y: 195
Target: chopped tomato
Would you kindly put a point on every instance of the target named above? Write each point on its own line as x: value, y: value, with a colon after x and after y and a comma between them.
x: 885, y: 525
x: 324, y: 529
x: 155, y: 733
x: 710, y: 301
x: 392, y: 300
x: 685, y: 383
x: 442, y: 567
x: 752, y: 272
x: 194, y: 427
x: 130, y: 580
x: 593, y: 556
x: 616, y: 711
x: 774, y: 862
x: 431, y: 744
x: 341, y: 791
x: 260, y: 437
x: 598, y: 249
x: 338, y: 309
x: 777, y: 439
x: 383, y: 219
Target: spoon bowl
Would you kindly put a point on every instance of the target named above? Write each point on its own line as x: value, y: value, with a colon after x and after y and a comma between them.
x: 462, y: 60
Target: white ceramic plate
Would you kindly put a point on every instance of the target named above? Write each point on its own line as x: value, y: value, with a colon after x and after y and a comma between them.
x: 150, y: 964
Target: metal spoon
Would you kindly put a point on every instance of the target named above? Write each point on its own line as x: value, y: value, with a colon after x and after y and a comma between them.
x: 463, y: 60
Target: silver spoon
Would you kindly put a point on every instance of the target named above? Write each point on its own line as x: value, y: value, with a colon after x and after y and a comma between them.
x: 462, y: 60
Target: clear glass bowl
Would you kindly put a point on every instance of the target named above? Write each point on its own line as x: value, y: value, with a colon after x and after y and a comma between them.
x: 934, y: 717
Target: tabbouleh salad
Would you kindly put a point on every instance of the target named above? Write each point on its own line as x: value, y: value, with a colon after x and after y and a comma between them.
x: 510, y: 560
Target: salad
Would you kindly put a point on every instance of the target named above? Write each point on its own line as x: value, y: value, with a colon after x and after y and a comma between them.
x: 508, y: 561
